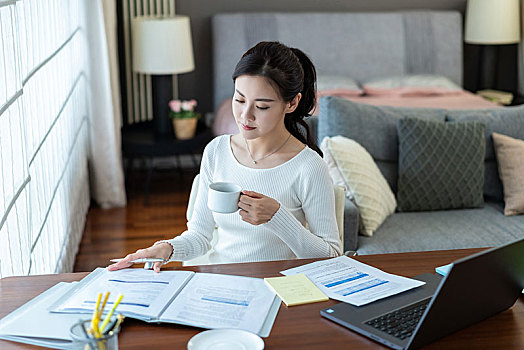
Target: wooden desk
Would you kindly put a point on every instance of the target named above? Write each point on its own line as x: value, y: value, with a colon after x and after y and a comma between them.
x: 299, y: 327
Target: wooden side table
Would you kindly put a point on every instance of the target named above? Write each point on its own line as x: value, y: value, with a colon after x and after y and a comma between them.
x: 517, y: 100
x: 139, y: 140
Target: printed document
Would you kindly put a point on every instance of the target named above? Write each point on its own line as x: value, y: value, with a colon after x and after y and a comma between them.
x: 353, y: 282
x: 33, y: 324
x: 145, y: 292
x: 221, y: 301
x: 184, y: 297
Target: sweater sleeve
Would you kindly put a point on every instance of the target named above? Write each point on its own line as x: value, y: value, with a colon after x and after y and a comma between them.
x: 318, y: 203
x: 196, y: 241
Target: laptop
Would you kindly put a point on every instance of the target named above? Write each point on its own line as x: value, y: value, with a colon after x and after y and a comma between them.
x: 476, y: 287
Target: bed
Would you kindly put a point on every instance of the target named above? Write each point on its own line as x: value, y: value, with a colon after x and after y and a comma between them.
x: 362, y: 47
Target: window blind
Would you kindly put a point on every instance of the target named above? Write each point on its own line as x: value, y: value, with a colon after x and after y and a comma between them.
x: 44, y: 119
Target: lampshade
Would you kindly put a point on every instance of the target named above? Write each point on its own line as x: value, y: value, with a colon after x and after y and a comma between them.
x: 492, y: 22
x: 162, y: 45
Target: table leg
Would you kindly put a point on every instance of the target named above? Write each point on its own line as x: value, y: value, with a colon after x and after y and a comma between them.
x: 179, y: 166
x: 148, y: 178
x: 195, y: 162
x: 128, y: 166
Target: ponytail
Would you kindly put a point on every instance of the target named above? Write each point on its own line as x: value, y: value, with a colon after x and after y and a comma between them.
x: 294, y: 121
x: 293, y: 72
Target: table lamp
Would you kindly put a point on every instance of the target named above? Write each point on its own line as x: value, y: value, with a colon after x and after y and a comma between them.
x: 161, y: 47
x: 490, y: 23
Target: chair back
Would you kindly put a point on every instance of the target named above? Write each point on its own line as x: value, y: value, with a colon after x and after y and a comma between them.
x: 340, y: 203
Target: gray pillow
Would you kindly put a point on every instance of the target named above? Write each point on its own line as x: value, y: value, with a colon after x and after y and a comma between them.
x: 373, y: 127
x: 507, y: 121
x: 441, y: 165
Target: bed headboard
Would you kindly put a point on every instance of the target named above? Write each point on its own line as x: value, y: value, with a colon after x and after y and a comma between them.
x: 354, y: 44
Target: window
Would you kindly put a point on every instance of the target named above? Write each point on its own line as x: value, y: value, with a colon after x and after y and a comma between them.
x: 44, y: 191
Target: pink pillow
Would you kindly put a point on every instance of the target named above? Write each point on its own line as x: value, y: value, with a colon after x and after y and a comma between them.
x: 224, y: 122
x: 409, y: 91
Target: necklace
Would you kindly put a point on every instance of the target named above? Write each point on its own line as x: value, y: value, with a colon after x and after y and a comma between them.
x: 267, y: 155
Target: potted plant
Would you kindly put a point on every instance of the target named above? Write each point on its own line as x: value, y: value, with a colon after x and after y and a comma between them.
x: 184, y: 118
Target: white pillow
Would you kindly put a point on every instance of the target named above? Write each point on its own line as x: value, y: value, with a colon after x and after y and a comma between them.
x: 336, y: 85
x: 411, y: 85
x: 352, y: 167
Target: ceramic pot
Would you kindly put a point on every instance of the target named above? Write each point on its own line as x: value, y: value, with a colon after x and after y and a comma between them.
x: 185, y: 128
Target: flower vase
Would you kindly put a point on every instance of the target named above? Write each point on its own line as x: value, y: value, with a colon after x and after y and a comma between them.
x: 185, y: 128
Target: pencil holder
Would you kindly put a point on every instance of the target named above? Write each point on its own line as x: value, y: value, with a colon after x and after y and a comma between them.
x: 83, y: 340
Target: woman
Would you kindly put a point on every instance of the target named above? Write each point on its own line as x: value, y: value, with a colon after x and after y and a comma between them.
x: 276, y: 161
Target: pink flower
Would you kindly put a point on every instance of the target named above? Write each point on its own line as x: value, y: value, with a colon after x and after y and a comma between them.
x: 187, y: 106
x: 175, y: 105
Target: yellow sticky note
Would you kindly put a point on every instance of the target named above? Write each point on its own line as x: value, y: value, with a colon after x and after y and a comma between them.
x: 295, y: 289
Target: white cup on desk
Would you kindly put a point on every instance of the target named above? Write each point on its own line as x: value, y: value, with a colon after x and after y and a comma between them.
x: 223, y: 197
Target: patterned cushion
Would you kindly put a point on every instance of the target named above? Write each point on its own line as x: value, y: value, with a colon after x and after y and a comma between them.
x: 352, y: 167
x: 373, y: 127
x: 441, y: 165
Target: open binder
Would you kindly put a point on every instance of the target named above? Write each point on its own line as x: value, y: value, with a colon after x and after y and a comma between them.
x: 201, y: 300
x: 32, y: 324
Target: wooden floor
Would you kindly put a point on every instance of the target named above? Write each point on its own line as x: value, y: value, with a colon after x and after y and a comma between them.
x: 113, y: 233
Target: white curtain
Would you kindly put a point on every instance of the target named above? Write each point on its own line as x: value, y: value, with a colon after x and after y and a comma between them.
x: 106, y: 172
x: 56, y: 116
x: 521, y: 51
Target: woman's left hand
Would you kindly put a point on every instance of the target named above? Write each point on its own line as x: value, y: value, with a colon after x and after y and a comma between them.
x: 256, y: 208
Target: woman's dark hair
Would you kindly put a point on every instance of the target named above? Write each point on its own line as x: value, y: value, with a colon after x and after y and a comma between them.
x: 293, y: 72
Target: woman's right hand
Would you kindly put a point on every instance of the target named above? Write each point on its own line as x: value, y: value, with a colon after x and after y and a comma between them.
x: 159, y: 251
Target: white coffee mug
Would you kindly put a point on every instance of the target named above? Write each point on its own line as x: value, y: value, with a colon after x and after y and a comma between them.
x: 223, y: 197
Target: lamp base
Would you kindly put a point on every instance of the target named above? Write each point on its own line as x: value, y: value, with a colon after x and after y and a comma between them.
x: 162, y: 89
x: 489, y: 66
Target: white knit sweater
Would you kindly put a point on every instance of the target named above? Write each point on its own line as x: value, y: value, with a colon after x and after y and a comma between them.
x: 301, y: 185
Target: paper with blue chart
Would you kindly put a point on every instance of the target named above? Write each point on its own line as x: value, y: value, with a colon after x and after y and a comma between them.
x: 146, y: 293
x: 353, y: 282
x: 221, y: 301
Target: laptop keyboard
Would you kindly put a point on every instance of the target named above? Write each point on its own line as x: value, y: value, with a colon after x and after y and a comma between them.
x: 400, y: 323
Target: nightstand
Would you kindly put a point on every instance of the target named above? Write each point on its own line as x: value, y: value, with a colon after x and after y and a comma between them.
x: 139, y: 141
x: 517, y: 100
